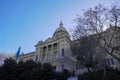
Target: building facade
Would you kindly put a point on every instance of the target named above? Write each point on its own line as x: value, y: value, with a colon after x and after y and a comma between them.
x: 57, y: 51
x: 54, y: 50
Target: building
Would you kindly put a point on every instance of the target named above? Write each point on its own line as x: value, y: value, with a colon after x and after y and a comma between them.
x: 54, y: 50
x: 57, y: 51
x: 112, y: 44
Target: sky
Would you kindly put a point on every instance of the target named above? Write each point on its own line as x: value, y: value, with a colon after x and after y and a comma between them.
x: 25, y: 22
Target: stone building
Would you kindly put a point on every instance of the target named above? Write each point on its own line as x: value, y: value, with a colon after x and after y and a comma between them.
x: 54, y: 50
x: 57, y: 51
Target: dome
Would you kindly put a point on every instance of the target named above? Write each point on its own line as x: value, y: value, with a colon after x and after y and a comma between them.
x: 60, y: 32
x: 60, y: 28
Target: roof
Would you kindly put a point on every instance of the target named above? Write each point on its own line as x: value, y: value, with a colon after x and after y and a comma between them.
x: 60, y: 28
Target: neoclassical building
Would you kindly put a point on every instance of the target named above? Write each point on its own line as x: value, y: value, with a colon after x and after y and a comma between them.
x: 54, y: 50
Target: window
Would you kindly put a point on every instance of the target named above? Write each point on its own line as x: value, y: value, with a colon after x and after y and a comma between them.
x: 54, y: 69
x: 36, y: 58
x: 77, y: 66
x: 62, y: 52
x: 62, y: 67
x: 110, y: 61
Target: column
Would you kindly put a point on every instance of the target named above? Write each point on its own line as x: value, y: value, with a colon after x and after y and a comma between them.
x: 41, y: 53
x: 47, y: 52
x: 57, y: 50
x: 51, y: 52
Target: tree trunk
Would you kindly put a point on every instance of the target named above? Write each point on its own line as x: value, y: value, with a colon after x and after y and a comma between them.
x: 104, y: 73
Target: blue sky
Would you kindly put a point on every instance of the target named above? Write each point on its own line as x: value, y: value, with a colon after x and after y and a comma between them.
x: 25, y: 22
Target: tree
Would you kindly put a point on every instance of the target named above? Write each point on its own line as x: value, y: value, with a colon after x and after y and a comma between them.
x: 103, y: 24
x: 93, y: 23
x: 86, y: 54
x: 6, y: 70
x: 29, y: 70
x: 47, y: 71
x: 111, y: 74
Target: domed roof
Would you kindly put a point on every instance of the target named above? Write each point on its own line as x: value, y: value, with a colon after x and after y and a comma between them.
x: 60, y: 32
x: 60, y: 28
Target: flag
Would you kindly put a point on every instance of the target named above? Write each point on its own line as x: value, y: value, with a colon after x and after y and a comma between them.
x: 18, y: 53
